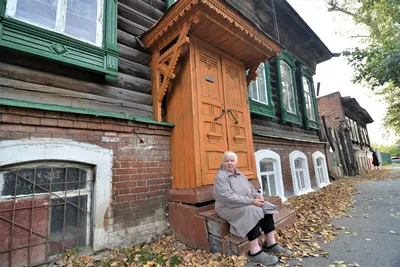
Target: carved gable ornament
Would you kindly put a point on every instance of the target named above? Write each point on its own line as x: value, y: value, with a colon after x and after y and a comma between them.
x: 212, y: 21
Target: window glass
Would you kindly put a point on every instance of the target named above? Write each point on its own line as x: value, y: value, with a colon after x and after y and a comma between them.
x: 67, y: 190
x: 287, y: 87
x: 41, y: 12
x: 308, y: 99
x: 81, y: 19
x: 266, y: 165
x: 297, y: 164
x: 258, y: 88
x: 268, y: 176
x: 76, y: 18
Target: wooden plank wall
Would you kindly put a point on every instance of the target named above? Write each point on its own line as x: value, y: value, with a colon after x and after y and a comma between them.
x: 24, y: 77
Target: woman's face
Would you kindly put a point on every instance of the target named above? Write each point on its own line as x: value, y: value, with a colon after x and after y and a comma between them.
x: 230, y: 163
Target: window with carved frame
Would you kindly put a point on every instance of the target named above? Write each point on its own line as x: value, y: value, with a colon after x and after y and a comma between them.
x: 286, y: 77
x: 75, y: 32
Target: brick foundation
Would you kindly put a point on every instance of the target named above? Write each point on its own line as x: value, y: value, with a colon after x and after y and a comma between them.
x: 141, y: 175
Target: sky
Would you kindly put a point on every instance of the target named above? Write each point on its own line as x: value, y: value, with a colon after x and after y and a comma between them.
x: 334, y: 74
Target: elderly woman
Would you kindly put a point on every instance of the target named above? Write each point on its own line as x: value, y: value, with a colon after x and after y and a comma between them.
x: 244, y: 208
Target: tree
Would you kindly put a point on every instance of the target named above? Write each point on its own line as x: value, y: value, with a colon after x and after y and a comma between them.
x: 376, y: 61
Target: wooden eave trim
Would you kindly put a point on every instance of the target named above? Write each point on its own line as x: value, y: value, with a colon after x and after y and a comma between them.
x: 218, y: 8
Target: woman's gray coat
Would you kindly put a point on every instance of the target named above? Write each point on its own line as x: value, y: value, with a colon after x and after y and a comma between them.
x: 233, y: 196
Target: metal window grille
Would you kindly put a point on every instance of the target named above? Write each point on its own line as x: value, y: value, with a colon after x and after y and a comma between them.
x: 45, y: 208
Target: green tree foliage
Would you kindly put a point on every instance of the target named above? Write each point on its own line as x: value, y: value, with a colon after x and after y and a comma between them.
x: 377, y: 60
x: 392, y: 149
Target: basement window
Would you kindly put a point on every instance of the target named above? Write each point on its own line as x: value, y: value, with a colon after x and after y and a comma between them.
x: 300, y: 173
x: 321, y: 169
x: 269, y: 173
x: 51, y: 205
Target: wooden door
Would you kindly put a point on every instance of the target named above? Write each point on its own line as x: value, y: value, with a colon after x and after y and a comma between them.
x: 212, y: 120
x: 238, y: 123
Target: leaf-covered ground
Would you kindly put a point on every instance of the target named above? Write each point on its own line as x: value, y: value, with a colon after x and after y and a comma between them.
x: 315, y: 212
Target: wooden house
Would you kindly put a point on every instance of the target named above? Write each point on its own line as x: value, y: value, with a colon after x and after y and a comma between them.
x: 111, y: 109
x: 346, y: 129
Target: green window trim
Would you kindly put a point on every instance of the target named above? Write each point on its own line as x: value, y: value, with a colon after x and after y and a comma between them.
x: 18, y: 35
x: 260, y: 108
x: 286, y: 115
x: 309, y: 122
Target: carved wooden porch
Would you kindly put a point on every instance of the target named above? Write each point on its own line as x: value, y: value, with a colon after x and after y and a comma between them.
x: 200, y: 53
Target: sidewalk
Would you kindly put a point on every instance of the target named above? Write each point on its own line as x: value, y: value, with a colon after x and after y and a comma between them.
x: 371, y: 235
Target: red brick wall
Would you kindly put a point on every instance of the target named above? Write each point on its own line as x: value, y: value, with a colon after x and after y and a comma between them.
x: 284, y: 148
x: 331, y: 107
x: 141, y: 168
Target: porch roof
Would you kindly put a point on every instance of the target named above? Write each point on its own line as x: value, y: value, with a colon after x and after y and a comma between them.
x: 217, y: 23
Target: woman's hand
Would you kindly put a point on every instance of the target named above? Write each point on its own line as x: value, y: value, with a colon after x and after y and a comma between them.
x: 260, y: 197
x: 257, y: 202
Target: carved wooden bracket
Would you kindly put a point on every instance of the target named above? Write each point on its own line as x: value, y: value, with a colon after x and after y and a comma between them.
x: 252, y: 74
x: 164, y: 62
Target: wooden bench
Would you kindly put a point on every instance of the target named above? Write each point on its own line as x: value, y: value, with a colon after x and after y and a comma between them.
x: 219, y: 238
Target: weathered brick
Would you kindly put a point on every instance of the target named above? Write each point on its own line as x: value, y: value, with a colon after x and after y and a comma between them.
x: 19, y: 135
x: 48, y: 122
x: 94, y: 126
x: 17, y: 110
x: 65, y: 123
x: 17, y: 128
x: 11, y: 118
x: 155, y: 181
x: 30, y: 120
x: 126, y: 198
x: 125, y: 171
x: 80, y: 124
x: 35, y: 113
x: 140, y: 189
x: 80, y: 132
x: 51, y: 130
x: 126, y: 184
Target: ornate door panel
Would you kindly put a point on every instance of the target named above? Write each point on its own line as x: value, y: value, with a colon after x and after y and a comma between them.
x: 237, y: 115
x: 212, y: 120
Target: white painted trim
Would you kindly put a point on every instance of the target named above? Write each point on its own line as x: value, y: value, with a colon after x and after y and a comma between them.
x: 292, y: 157
x: 315, y: 156
x: 276, y: 159
x: 27, y: 150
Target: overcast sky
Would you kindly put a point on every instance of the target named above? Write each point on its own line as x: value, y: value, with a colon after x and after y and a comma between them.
x: 335, y: 75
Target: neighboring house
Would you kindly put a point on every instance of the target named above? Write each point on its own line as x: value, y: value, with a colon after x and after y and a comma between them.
x: 94, y: 142
x: 346, y: 129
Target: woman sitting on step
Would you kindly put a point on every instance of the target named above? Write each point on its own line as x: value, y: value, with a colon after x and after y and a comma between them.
x: 244, y: 208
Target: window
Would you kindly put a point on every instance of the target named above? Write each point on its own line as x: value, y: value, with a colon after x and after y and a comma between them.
x: 321, y: 169
x: 269, y: 173
x: 18, y: 152
x: 301, y: 183
x: 77, y: 32
x: 260, y: 99
x: 67, y: 188
x: 308, y: 98
x: 287, y: 88
x: 300, y: 173
x: 309, y: 101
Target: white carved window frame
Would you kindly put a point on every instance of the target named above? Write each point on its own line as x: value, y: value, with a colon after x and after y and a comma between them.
x: 276, y: 160
x: 303, y: 158
x: 315, y: 156
x: 42, y: 149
